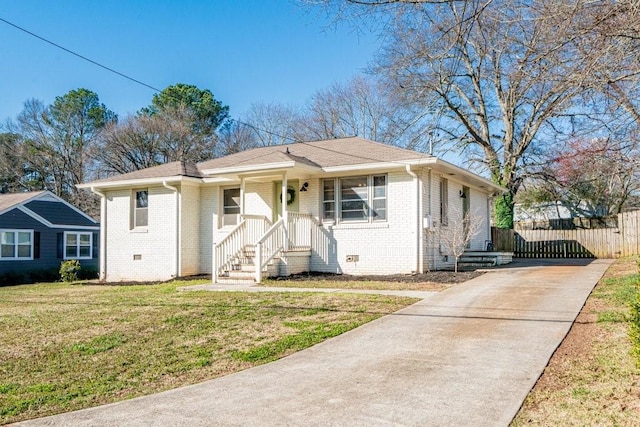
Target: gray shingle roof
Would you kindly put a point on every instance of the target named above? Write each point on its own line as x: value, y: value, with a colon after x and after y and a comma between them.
x: 10, y: 200
x: 323, y: 154
x: 165, y: 170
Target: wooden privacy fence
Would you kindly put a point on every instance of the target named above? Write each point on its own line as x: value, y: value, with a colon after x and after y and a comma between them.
x: 611, y: 242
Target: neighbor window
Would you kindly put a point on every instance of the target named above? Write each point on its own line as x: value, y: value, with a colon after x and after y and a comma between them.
x: 230, y: 206
x: 77, y: 245
x: 444, y: 201
x: 141, y: 209
x: 358, y: 198
x: 16, y: 244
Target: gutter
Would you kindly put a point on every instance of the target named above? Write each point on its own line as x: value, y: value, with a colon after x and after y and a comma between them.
x: 418, y: 223
x: 177, y: 252
x: 103, y: 233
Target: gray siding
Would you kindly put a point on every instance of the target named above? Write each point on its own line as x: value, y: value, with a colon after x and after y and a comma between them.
x: 49, y: 254
x: 59, y: 213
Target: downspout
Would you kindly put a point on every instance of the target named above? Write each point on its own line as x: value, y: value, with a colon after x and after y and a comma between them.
x: 432, y: 225
x: 418, y: 221
x: 103, y: 233
x: 177, y: 244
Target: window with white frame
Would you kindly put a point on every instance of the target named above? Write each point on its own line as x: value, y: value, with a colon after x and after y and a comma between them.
x: 141, y: 208
x: 230, y: 206
x: 444, y: 201
x: 16, y: 245
x: 355, y: 198
x: 78, y: 245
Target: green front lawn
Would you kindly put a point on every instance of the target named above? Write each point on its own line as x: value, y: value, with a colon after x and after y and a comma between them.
x: 66, y: 347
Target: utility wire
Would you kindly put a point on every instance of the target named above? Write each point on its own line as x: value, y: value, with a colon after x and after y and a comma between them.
x: 126, y: 76
x: 79, y: 56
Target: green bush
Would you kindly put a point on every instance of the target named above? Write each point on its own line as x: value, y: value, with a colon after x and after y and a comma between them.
x: 69, y: 270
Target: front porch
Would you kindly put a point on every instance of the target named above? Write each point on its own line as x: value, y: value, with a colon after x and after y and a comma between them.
x: 258, y: 248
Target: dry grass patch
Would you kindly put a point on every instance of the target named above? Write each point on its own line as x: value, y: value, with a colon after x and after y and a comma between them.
x: 66, y: 347
x: 592, y: 378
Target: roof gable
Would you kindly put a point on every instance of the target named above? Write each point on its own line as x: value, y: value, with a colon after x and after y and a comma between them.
x: 47, y: 208
x: 59, y: 213
x: 11, y: 200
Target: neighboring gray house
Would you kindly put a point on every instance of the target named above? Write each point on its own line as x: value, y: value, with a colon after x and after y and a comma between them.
x: 38, y: 230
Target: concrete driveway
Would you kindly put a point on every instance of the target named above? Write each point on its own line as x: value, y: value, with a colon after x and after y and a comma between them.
x: 467, y: 356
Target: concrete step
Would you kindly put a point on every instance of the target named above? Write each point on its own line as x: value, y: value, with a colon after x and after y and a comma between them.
x: 478, y: 264
x: 230, y: 281
x: 467, y: 259
x: 241, y: 275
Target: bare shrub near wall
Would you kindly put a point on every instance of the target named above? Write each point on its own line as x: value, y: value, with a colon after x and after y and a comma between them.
x: 456, y: 236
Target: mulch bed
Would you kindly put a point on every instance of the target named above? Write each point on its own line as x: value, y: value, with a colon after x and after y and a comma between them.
x: 433, y: 276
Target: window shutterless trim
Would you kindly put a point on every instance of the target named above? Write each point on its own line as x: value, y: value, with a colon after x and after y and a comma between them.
x: 16, y: 244
x: 77, y: 245
x: 332, y: 196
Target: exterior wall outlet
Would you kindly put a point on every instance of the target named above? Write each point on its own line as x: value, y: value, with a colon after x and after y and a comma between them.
x: 353, y: 258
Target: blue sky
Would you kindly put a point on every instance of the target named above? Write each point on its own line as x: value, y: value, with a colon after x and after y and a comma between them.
x: 244, y: 51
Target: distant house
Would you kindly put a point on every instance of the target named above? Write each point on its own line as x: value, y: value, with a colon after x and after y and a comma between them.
x: 343, y: 205
x: 38, y: 230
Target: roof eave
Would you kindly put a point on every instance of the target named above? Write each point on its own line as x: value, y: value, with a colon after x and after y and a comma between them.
x: 138, y: 182
x: 490, y: 185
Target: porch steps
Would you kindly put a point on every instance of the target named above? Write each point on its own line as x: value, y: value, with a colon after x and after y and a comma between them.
x: 243, y: 269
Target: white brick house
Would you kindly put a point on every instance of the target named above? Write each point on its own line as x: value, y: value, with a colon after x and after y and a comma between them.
x: 344, y: 206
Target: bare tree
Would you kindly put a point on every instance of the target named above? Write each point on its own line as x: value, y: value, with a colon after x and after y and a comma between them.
x: 459, y: 232
x: 361, y: 107
x: 504, y: 72
x: 143, y: 141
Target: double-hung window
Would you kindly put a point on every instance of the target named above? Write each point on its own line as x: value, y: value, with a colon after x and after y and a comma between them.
x: 141, y: 209
x: 16, y: 245
x: 230, y: 206
x: 77, y: 245
x: 356, y: 198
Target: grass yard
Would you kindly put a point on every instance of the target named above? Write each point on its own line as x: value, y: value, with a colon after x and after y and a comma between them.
x: 65, y: 347
x: 431, y: 281
x: 592, y: 379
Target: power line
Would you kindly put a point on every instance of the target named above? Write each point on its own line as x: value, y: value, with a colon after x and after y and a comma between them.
x: 126, y: 76
x: 80, y: 56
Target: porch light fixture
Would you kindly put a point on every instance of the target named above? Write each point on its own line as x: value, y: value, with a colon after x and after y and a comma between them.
x: 462, y: 195
x: 304, y: 186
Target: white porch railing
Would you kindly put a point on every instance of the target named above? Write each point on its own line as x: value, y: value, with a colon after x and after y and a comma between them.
x: 270, y: 245
x: 299, y: 226
x: 269, y: 241
x: 229, y: 249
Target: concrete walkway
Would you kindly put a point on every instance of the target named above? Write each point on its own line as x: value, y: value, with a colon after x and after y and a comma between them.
x: 467, y: 356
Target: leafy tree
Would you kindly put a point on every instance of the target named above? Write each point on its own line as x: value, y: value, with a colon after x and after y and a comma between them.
x: 206, y: 113
x: 591, y: 178
x: 58, y: 141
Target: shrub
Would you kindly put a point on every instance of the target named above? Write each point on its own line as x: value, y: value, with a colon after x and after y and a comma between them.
x: 69, y: 270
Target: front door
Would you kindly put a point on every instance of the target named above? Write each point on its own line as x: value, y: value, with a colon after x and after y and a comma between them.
x: 293, y: 188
